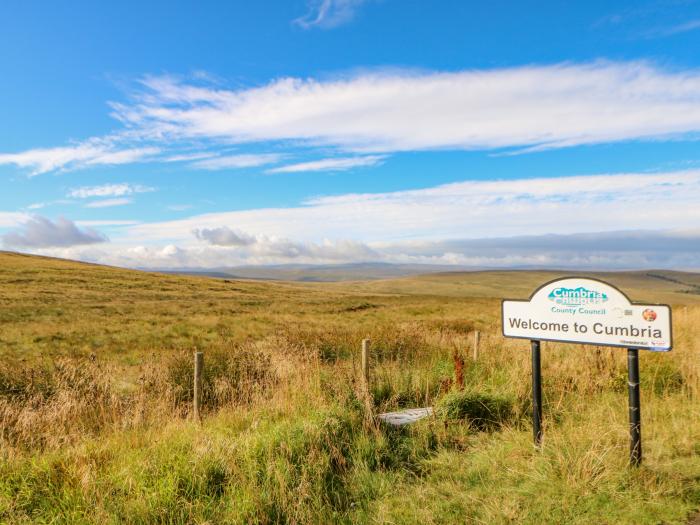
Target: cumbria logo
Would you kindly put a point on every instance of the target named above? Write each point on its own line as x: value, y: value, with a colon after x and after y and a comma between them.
x: 576, y: 296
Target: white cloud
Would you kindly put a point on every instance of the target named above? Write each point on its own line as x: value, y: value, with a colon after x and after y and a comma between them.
x: 237, y: 161
x: 513, y: 109
x: 336, y: 164
x: 107, y: 223
x: 40, y: 232
x: 89, y: 153
x: 40, y: 205
x: 690, y: 25
x: 470, y: 209
x: 274, y: 249
x: 525, y: 107
x: 224, y: 236
x: 108, y: 203
x: 10, y: 219
x: 188, y: 157
x: 108, y: 190
x: 327, y: 14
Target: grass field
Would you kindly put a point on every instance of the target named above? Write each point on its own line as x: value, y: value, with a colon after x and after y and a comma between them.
x: 96, y: 383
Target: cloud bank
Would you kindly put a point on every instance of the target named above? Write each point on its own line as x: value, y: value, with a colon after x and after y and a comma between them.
x: 40, y: 232
x: 592, y: 250
x: 629, y: 220
x: 469, y: 209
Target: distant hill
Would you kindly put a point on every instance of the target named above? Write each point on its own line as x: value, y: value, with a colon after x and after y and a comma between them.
x: 321, y: 273
x: 457, y: 280
x: 653, y: 286
x: 669, y: 286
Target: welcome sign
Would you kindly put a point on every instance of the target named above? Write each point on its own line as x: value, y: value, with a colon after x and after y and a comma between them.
x: 587, y: 311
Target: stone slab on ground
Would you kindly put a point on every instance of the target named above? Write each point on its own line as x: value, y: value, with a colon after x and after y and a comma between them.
x: 406, y: 417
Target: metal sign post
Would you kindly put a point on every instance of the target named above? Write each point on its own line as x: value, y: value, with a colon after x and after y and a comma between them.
x: 587, y: 311
x: 634, y: 407
x: 536, y: 394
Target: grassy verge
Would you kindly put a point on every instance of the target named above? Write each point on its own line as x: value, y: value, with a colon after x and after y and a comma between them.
x: 102, y: 434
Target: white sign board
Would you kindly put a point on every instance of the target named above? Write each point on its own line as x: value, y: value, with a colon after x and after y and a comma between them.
x: 588, y: 311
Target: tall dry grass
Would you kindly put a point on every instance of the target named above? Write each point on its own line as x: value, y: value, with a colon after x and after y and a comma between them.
x: 289, y: 438
x: 52, y: 404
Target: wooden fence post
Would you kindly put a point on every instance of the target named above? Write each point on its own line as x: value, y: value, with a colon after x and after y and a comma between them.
x: 475, y: 354
x: 458, y: 361
x: 365, y: 391
x: 365, y: 362
x: 198, y: 366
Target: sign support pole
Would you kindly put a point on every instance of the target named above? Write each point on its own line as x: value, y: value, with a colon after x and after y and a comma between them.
x: 536, y: 394
x: 634, y: 407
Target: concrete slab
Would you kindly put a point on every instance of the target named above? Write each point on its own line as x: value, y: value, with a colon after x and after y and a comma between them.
x: 406, y: 417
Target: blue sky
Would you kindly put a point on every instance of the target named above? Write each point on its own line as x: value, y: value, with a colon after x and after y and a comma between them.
x: 204, y: 134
